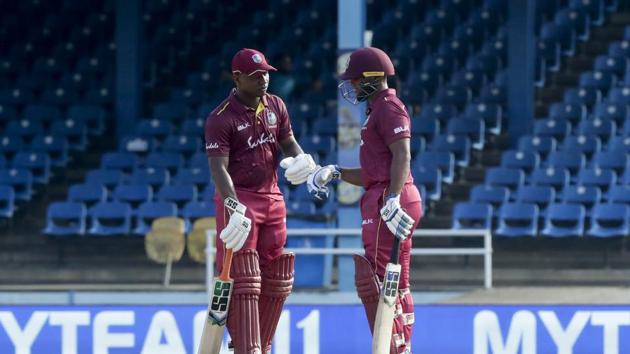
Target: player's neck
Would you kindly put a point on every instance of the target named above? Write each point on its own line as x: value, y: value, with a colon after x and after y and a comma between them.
x: 249, y: 101
x: 382, y: 87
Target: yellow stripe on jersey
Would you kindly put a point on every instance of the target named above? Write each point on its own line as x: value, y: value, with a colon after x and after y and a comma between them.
x: 224, y: 107
x: 260, y: 107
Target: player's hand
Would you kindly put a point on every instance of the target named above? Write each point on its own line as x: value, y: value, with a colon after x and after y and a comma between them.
x: 236, y: 231
x: 317, y: 181
x: 298, y: 168
x: 397, y: 220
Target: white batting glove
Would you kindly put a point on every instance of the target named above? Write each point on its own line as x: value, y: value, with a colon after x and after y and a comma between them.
x: 298, y: 168
x: 317, y: 181
x: 236, y: 231
x: 397, y: 220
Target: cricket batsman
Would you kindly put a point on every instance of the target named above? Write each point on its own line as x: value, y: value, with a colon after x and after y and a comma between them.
x: 391, y: 205
x: 244, y: 136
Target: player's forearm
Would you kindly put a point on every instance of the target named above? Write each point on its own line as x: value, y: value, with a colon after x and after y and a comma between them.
x: 290, y: 147
x: 352, y: 176
x: 222, y: 180
x: 399, y: 171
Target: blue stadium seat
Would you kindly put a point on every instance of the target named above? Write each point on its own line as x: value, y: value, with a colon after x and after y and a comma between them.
x: 149, y: 211
x: 431, y: 178
x: 208, y: 193
x: 426, y: 81
x: 588, y: 96
x: 438, y: 111
x: 425, y: 128
x: 458, y: 145
x: 615, y: 160
x: 619, y: 194
x: 155, y: 177
x: 108, y: 178
x: 198, y: 209
x: 92, y: 115
x: 557, y: 129
x: 473, y: 79
x: 170, y: 111
x: 455, y: 48
x: 583, y: 144
x: 110, y: 218
x: 551, y: 176
x: 24, y: 129
x: 472, y: 216
x: 578, y: 21
x: 7, y: 201
x: 88, y: 194
x: 517, y: 219
x: 37, y: 163
x: 597, y: 177
x: 154, y: 128
x: 504, y: 177
x: 593, y: 8
x: 620, y: 95
x: 170, y: 160
x: 138, y: 145
x: 21, y: 180
x: 525, y: 160
x: 601, y: 80
x: 124, y: 161
x: 549, y: 50
x: 133, y: 194
x: 41, y: 113
x: 564, y: 220
x: 619, y: 48
x: 491, y: 114
x: 445, y: 161
x: 569, y: 160
x: 179, y: 194
x: 74, y: 131
x: 457, y: 96
x: 541, y: 145
x: 586, y: 196
x: 561, y: 34
x: 542, y: 196
x: 56, y: 147
x: 472, y: 129
x: 619, y: 143
x: 439, y: 64
x: 65, y: 219
x: 200, y: 177
x: 314, y: 270
x: 610, y: 220
x: 603, y: 129
x: 611, y: 111
x: 572, y: 112
x: 16, y: 96
x: 614, y: 64
x: 492, y: 195
x: 193, y: 127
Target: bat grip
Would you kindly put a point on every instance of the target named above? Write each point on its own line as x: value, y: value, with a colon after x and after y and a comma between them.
x: 395, y: 250
x: 227, y: 264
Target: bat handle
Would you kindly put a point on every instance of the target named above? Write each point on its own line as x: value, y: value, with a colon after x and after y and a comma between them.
x: 227, y: 264
x: 395, y: 250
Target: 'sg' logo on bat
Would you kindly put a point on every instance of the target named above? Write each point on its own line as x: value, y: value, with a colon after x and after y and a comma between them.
x: 391, y: 284
x: 221, y: 297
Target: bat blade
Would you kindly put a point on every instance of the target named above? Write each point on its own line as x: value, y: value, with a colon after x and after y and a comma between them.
x: 214, y: 326
x: 386, y: 310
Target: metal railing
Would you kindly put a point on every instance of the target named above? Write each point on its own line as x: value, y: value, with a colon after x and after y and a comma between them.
x: 485, y: 251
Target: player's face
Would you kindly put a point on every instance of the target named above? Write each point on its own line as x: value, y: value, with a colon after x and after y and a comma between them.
x: 255, y: 85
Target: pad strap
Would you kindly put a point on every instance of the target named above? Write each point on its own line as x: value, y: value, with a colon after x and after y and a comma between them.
x: 277, y: 283
x: 368, y: 287
x: 243, y: 322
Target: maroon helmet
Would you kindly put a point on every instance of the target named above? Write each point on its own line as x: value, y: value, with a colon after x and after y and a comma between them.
x: 368, y: 62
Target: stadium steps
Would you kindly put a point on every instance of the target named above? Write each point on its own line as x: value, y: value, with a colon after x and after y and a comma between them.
x: 572, y: 67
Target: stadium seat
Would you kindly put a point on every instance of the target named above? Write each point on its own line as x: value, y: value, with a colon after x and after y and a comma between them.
x: 570, y: 160
x: 615, y: 160
x: 92, y: 115
x: 491, y: 114
x: 36, y: 162
x: 24, y: 129
x: 155, y: 177
x: 310, y: 270
x: 453, y: 95
x: 110, y: 218
x: 458, y: 145
x: 87, y: 194
x: 178, y: 194
x: 438, y: 111
x: 56, y: 147
x: 525, y: 160
x: 65, y: 219
x: 619, y: 194
x: 597, y: 177
x: 133, y: 194
x: 578, y: 21
x: 21, y: 180
x: 108, y: 178
x: 564, y: 220
x: 614, y: 64
x: 561, y: 34
x: 193, y: 128
x: 557, y: 129
x: 549, y: 51
x: 582, y: 144
x: 542, y: 196
x: 445, y: 161
x: 74, y: 131
x: 572, y: 112
x: 170, y: 111
x: 431, y: 178
x: 602, y: 129
x: 611, y: 111
x: 7, y: 201
x: 589, y: 96
x: 172, y: 161
x: 182, y: 144
x: 154, y: 128
x: 138, y: 145
x: 149, y: 211
x: 472, y: 216
x: 551, y: 176
x: 541, y: 145
x: 484, y: 194
x: 123, y: 161
x: 620, y: 95
x: 600, y: 80
x: 472, y: 129
x: 586, y: 196
x: 517, y: 219
x: 504, y: 177
x: 619, y: 143
x: 425, y: 128
x: 610, y: 220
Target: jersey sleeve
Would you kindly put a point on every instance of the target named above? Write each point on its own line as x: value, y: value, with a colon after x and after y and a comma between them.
x: 284, y: 124
x: 217, y: 133
x: 394, y: 123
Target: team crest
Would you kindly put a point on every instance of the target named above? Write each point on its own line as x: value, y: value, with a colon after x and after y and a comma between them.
x: 272, y: 120
x: 257, y: 58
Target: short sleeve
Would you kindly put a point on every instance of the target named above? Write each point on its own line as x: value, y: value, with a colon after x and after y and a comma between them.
x: 284, y: 126
x: 394, y: 123
x: 217, y: 132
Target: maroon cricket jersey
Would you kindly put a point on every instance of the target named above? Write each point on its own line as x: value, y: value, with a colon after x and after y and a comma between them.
x: 386, y: 122
x: 250, y: 138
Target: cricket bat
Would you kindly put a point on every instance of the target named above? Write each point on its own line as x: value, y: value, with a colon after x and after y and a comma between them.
x: 381, y: 340
x: 213, y: 328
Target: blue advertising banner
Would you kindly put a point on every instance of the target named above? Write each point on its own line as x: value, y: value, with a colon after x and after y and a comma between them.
x: 314, y: 329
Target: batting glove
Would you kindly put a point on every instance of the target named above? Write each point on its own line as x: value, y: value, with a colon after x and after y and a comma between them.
x: 298, y: 168
x: 396, y: 219
x: 236, y: 231
x: 318, y: 179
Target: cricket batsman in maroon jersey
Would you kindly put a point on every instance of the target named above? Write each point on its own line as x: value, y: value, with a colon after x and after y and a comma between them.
x: 391, y: 205
x: 244, y: 136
